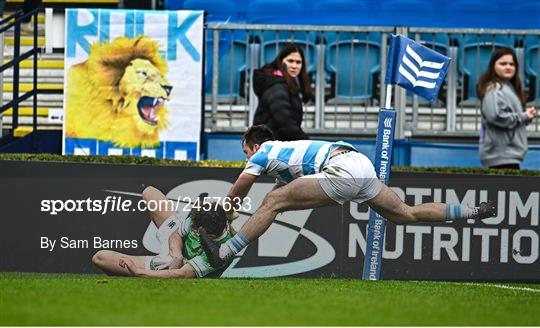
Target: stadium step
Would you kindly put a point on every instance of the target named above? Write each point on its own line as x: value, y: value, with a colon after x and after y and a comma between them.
x: 24, y: 87
x: 42, y: 64
x: 45, y: 100
x: 45, y: 78
x: 43, y: 122
x: 41, y: 17
x: 25, y: 41
x: 21, y: 131
x: 28, y: 111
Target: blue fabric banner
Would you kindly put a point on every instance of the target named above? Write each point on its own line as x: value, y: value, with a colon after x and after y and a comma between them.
x: 415, y: 67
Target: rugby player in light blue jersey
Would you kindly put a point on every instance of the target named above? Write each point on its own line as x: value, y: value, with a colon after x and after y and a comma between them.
x: 312, y: 174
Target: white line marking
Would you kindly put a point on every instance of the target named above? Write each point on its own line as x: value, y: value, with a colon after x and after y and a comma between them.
x: 504, y: 287
x: 526, y: 289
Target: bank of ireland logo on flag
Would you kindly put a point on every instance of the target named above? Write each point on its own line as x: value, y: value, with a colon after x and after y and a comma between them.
x: 415, y: 67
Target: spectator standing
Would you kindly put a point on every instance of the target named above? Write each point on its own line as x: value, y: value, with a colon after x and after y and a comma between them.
x: 282, y: 86
x: 503, y: 134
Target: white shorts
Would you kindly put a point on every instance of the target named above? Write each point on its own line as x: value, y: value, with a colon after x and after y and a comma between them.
x: 167, y: 228
x: 349, y: 177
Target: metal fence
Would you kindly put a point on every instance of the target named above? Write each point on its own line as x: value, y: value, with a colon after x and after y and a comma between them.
x: 14, y: 22
x: 346, y: 65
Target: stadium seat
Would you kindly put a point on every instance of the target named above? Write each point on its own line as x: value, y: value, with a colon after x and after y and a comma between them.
x: 439, y: 42
x: 233, y: 57
x: 273, y: 41
x: 232, y: 47
x: 532, y: 66
x: 352, y: 65
x: 475, y: 52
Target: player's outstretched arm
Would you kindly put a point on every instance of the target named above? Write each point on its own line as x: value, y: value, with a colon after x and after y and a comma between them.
x: 242, y: 185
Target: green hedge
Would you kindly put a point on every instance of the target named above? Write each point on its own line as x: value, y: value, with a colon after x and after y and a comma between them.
x: 169, y: 162
x: 116, y: 160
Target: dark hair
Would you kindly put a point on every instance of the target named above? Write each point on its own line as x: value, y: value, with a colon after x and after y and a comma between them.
x: 213, y: 220
x: 303, y: 77
x: 489, y: 77
x: 257, y: 134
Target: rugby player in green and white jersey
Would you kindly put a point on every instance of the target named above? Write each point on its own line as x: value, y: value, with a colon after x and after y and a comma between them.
x: 181, y: 255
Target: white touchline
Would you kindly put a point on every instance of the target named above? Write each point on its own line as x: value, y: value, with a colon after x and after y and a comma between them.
x: 491, y: 285
x: 505, y: 287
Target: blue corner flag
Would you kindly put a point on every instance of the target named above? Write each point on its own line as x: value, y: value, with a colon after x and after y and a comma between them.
x: 415, y: 67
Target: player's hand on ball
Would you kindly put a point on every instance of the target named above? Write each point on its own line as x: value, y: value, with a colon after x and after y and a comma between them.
x: 231, y: 215
x: 174, y: 263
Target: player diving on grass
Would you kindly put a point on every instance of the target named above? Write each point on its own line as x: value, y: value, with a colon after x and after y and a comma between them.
x: 312, y: 174
x: 181, y: 255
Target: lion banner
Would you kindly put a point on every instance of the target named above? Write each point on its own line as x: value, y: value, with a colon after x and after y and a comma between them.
x: 132, y: 84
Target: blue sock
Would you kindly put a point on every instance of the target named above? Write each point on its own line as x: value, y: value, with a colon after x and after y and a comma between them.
x: 459, y: 212
x: 233, y: 246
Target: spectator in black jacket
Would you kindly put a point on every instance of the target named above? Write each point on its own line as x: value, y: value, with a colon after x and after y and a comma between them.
x: 281, y: 87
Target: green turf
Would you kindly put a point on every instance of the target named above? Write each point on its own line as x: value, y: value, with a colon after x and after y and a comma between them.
x: 69, y: 299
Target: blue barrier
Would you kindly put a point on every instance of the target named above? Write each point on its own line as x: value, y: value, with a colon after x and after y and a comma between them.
x: 227, y: 147
x: 406, y: 152
x: 502, y: 14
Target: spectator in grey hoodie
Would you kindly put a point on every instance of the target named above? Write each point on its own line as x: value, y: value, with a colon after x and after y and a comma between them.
x: 503, y: 134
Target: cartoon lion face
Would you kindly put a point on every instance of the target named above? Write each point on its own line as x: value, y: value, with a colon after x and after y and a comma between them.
x: 144, y: 91
x: 119, y: 93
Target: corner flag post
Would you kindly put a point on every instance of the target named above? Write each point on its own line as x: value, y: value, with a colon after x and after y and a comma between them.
x: 383, y: 159
x: 422, y: 71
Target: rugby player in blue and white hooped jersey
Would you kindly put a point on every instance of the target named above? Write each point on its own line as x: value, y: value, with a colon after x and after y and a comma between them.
x: 314, y: 174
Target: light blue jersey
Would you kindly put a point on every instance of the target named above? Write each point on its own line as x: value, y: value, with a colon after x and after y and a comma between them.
x: 288, y: 160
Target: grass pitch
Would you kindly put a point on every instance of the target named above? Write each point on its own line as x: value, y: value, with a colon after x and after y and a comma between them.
x: 69, y: 299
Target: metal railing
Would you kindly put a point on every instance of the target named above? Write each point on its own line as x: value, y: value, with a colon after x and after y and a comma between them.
x: 14, y: 21
x: 346, y: 65
x: 458, y: 112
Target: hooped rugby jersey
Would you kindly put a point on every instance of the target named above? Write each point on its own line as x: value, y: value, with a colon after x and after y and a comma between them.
x: 288, y: 160
x: 193, y: 252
